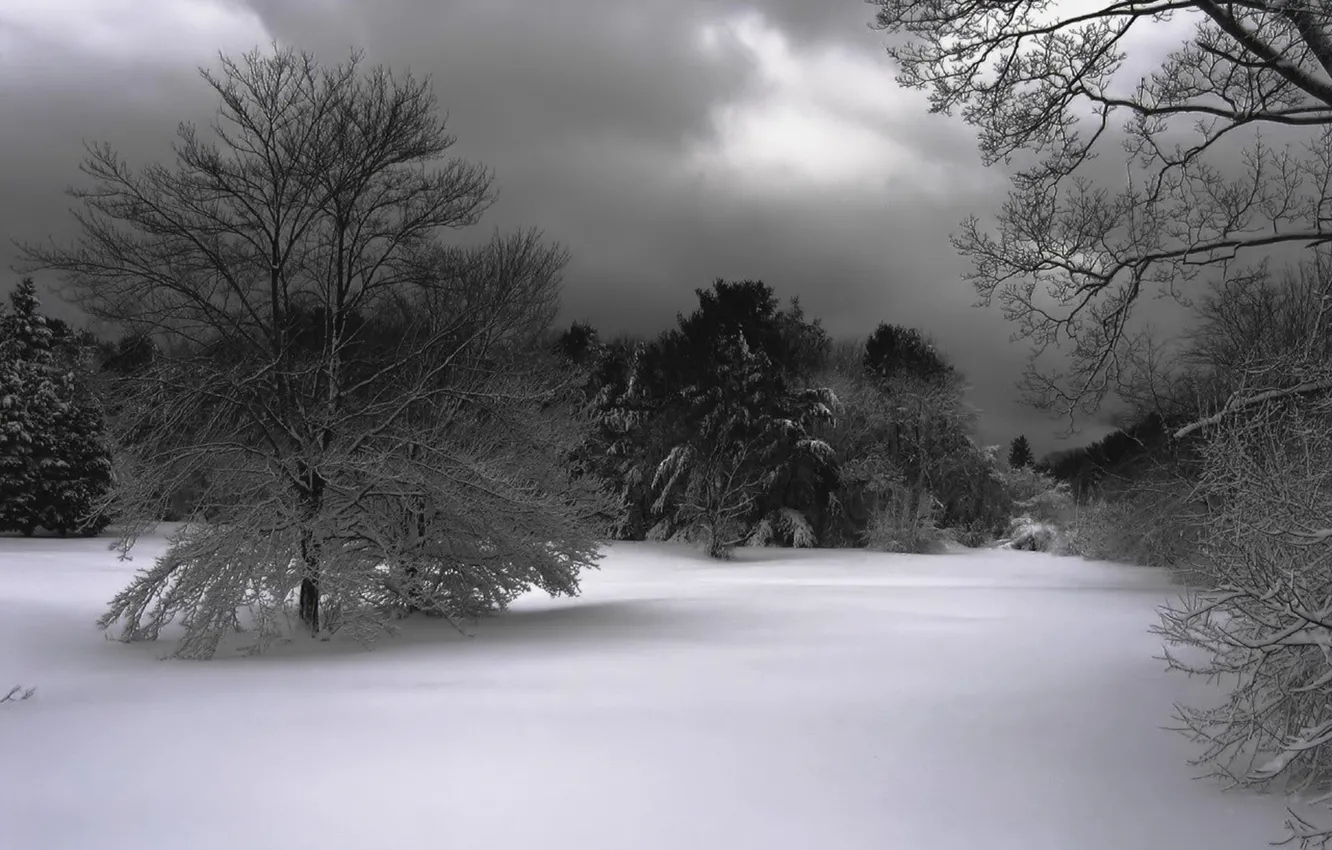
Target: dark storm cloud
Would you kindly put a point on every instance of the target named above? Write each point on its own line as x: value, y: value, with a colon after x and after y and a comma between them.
x: 586, y: 109
x: 598, y: 117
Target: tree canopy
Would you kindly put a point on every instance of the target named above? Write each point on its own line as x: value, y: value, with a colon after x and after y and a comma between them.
x: 1223, y: 149
x: 55, y: 468
x: 367, y: 405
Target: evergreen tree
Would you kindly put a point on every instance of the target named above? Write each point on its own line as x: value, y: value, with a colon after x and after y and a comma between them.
x: 579, y: 344
x: 904, y: 441
x: 893, y: 351
x: 724, y: 416
x: 25, y: 345
x: 54, y: 467
x: 77, y: 476
x: 1019, y: 452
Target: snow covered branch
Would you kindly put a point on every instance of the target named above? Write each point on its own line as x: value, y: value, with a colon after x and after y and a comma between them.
x: 362, y: 416
x: 1237, y: 403
x: 1264, y: 622
x: 1070, y: 255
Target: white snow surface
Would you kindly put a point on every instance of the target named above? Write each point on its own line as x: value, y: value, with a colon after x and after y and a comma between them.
x: 840, y: 700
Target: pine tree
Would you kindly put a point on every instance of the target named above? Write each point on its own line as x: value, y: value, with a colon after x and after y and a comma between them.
x: 25, y: 344
x: 54, y: 467
x: 77, y: 473
x: 741, y: 461
x: 579, y: 344
x: 893, y: 351
x: 1019, y: 452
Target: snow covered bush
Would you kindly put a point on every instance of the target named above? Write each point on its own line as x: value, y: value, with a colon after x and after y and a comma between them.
x: 1040, y: 508
x: 1262, y: 622
x: 906, y: 520
x: 973, y: 535
x: 711, y: 492
x: 18, y: 693
x: 1027, y: 535
x: 1038, y: 496
x: 785, y: 524
x: 1150, y: 517
x: 1096, y: 531
x: 1155, y: 523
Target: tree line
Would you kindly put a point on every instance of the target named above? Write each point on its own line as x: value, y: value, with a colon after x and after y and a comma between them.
x: 746, y: 425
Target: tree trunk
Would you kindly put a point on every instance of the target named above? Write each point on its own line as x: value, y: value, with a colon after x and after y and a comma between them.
x: 312, y: 496
x: 715, y: 548
x: 309, y: 605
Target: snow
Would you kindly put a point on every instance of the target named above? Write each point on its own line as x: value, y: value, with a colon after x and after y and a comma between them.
x: 1027, y: 534
x: 790, y: 699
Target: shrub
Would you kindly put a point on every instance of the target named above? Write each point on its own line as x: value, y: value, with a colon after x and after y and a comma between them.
x: 906, y: 521
x: 1261, y: 623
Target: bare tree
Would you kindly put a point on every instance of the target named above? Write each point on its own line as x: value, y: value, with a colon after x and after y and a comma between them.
x: 1260, y: 622
x: 1056, y: 85
x: 1263, y: 315
x: 715, y: 488
x: 1263, y: 625
x: 362, y: 401
x: 1225, y: 146
x: 1278, y: 323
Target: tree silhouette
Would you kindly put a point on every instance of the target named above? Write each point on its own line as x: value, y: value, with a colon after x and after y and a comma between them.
x: 1019, y: 452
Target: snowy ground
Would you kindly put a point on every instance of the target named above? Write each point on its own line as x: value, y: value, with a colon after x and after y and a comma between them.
x: 802, y: 700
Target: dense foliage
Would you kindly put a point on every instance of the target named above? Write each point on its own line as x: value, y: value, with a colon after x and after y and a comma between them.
x: 745, y: 424
x: 55, y: 468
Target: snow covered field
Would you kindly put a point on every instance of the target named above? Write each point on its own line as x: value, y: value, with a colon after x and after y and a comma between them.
x: 832, y: 700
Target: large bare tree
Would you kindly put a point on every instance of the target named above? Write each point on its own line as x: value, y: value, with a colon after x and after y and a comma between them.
x: 1223, y: 150
x: 1222, y: 160
x: 358, y: 404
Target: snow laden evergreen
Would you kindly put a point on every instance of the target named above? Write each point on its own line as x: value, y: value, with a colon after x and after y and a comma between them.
x: 723, y: 481
x: 706, y: 433
x: 55, y: 470
x: 744, y: 424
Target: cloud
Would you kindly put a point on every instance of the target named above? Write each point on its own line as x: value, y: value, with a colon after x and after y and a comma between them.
x: 52, y: 39
x: 665, y: 142
x: 815, y: 117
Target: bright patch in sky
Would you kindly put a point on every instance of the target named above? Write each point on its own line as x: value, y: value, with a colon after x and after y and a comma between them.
x: 37, y: 33
x: 817, y: 116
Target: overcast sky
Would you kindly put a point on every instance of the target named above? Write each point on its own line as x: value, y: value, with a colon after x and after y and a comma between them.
x: 666, y: 143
